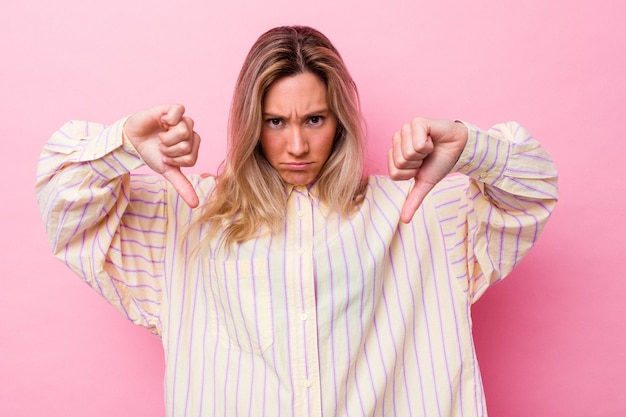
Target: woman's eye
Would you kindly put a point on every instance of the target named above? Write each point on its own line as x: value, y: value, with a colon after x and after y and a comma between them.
x: 316, y: 120
x: 274, y: 122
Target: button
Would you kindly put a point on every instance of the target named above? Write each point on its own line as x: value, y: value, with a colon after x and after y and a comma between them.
x: 300, y: 188
x: 301, y: 251
x: 306, y: 383
x: 303, y: 316
x: 483, y: 175
x: 300, y: 213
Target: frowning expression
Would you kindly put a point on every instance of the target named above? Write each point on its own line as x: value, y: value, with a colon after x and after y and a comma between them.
x: 298, y: 128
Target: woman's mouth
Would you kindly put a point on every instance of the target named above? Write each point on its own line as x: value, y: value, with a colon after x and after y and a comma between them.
x: 297, y: 166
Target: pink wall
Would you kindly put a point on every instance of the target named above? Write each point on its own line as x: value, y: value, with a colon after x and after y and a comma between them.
x: 551, y: 339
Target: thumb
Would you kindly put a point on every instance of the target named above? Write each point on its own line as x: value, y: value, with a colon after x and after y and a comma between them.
x: 414, y: 199
x: 182, y: 186
x: 171, y: 114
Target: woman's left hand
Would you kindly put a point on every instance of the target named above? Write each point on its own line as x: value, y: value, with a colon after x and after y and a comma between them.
x: 426, y: 150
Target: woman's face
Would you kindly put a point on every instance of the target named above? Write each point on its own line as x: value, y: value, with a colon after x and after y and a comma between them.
x: 298, y: 128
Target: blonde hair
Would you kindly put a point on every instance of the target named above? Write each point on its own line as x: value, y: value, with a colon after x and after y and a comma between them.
x: 249, y: 194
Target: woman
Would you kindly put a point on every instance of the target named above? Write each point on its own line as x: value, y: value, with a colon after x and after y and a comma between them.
x: 299, y: 286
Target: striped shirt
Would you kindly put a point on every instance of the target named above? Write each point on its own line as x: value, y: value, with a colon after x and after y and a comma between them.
x: 359, y: 316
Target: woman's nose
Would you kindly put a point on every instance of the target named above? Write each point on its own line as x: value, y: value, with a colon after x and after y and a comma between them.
x: 296, y: 143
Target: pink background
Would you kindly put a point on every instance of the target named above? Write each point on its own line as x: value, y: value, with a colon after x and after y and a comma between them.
x: 551, y: 339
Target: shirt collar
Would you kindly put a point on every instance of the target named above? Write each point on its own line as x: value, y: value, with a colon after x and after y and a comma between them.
x: 312, y: 191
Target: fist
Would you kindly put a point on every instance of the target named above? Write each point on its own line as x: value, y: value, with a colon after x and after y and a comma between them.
x: 426, y: 150
x: 166, y: 141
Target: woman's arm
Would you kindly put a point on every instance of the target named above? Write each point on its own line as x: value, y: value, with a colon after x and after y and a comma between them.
x: 106, y: 225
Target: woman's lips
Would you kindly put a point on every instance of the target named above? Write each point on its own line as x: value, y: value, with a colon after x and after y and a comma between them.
x: 297, y: 166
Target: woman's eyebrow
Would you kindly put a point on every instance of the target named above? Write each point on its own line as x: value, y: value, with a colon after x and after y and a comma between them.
x: 321, y: 112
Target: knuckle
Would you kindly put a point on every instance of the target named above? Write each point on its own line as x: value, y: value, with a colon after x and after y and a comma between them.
x: 184, y: 147
x: 406, y: 129
x: 419, y: 147
x: 189, y: 160
x: 189, y: 121
x: 183, y: 130
x: 418, y: 121
x: 409, y: 153
x: 396, y: 138
x: 394, y: 172
x: 406, y: 153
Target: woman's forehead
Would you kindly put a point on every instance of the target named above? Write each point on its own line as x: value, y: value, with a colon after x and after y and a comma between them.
x: 301, y: 93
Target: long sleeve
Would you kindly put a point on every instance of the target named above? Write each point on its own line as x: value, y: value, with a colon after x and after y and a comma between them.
x: 107, y: 227
x: 507, y: 194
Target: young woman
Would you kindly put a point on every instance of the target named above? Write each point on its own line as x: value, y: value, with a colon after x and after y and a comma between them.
x: 291, y: 283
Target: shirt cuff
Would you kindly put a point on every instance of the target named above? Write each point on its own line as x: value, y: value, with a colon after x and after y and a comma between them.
x: 110, y: 152
x: 484, y: 156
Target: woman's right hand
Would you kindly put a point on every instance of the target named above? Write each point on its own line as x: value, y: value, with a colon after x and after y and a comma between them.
x: 166, y: 141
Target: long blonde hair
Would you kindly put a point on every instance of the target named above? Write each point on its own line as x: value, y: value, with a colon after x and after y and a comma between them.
x: 249, y: 194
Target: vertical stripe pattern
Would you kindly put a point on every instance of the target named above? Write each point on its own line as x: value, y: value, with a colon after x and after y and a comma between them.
x: 364, y: 316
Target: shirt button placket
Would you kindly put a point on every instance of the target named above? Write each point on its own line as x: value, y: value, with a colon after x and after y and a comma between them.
x: 306, y: 368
